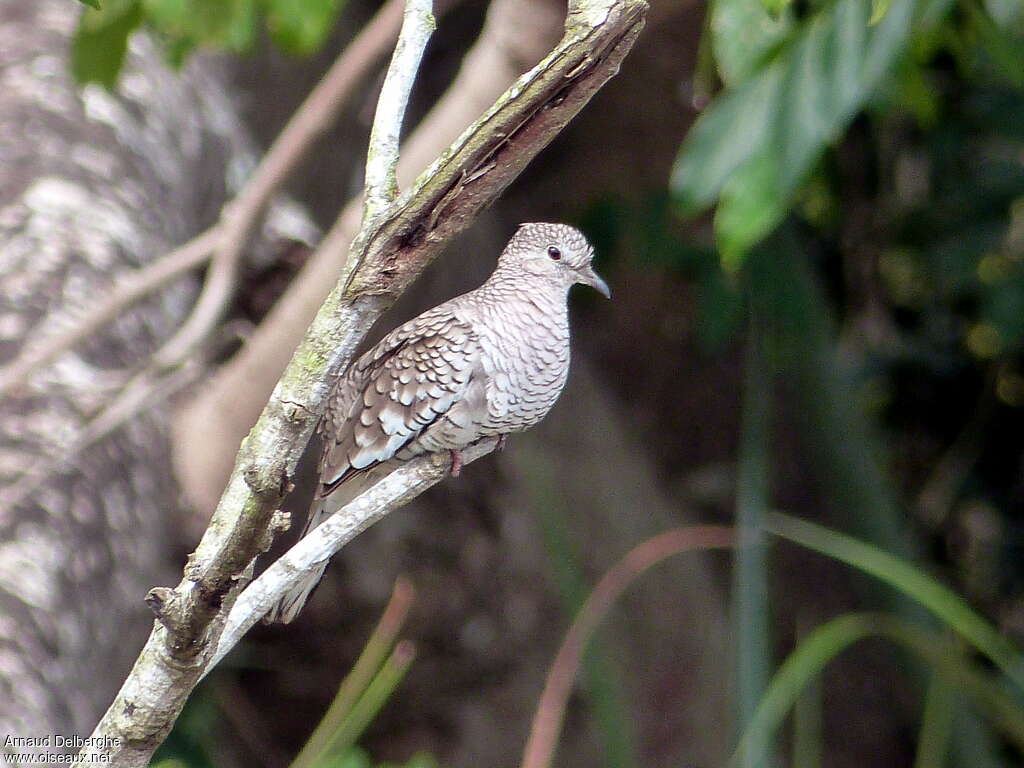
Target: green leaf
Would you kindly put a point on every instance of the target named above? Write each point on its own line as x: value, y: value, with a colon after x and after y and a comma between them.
x: 1001, y: 44
x: 301, y: 26
x: 419, y: 760
x: 776, y: 7
x: 937, y: 727
x: 187, y: 24
x: 912, y: 90
x: 878, y: 10
x: 770, y: 129
x: 91, y: 3
x: 743, y: 32
x: 726, y: 136
x: 353, y: 758
x: 745, y: 212
x: 101, y: 42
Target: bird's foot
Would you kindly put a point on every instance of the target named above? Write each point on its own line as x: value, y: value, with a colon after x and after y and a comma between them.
x: 456, y: 462
x: 502, y: 439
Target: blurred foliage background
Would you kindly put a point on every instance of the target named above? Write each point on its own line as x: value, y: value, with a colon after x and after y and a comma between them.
x: 812, y: 216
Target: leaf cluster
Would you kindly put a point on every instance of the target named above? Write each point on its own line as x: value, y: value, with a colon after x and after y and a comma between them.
x: 794, y: 80
x: 105, y: 28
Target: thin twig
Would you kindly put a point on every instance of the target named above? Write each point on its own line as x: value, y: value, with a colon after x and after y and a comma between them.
x: 312, y: 119
x: 382, y: 155
x: 382, y: 160
x: 547, y: 720
x: 391, y: 492
x: 209, y: 427
x: 242, y: 216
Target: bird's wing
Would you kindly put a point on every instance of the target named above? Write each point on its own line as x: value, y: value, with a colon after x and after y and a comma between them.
x: 394, y: 392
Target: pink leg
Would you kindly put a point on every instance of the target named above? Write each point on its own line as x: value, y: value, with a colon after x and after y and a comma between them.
x: 456, y: 462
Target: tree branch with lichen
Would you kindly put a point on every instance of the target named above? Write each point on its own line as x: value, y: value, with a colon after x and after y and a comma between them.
x: 373, y: 505
x: 388, y: 254
x: 209, y: 425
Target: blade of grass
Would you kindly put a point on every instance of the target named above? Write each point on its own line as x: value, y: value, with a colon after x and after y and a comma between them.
x: 750, y: 582
x: 368, y: 705
x: 547, y: 720
x: 909, y: 580
x: 936, y: 725
x: 827, y: 641
x: 369, y: 663
x: 807, y: 720
x: 602, y: 679
x: 840, y: 444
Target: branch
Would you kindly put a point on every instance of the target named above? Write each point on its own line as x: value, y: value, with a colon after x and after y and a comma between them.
x: 382, y: 155
x: 242, y: 216
x: 390, y: 253
x: 377, y: 502
x: 516, y: 34
x: 239, y: 218
x: 224, y: 242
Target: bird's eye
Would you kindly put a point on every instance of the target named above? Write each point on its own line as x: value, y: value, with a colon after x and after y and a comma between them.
x: 554, y: 253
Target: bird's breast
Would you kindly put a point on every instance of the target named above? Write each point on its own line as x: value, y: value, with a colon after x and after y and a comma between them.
x: 525, y: 355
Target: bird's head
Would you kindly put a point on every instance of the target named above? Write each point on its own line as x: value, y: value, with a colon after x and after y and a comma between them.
x: 555, y: 251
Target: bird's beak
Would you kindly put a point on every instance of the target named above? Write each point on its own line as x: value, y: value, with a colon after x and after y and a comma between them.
x: 589, y: 277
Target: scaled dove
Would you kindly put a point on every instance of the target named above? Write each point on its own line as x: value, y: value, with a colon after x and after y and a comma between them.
x: 485, y: 364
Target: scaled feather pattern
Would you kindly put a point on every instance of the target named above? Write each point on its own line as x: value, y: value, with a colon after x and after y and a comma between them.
x: 488, y: 363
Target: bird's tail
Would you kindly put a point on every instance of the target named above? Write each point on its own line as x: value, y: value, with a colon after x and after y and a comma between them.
x: 288, y: 607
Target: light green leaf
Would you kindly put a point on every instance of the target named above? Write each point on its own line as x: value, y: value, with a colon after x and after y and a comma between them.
x: 91, y: 3
x: 745, y: 215
x: 227, y: 24
x: 300, y: 26
x: 776, y: 7
x: 101, y: 42
x: 1000, y: 42
x: 878, y: 11
x: 744, y: 32
x: 912, y: 90
x: 727, y: 135
x: 353, y: 758
x: 419, y: 760
x: 790, y: 110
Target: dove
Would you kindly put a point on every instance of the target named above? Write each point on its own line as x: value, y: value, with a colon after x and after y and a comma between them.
x: 489, y: 363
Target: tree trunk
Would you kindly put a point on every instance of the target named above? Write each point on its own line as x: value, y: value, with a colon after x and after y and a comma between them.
x: 92, y: 185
